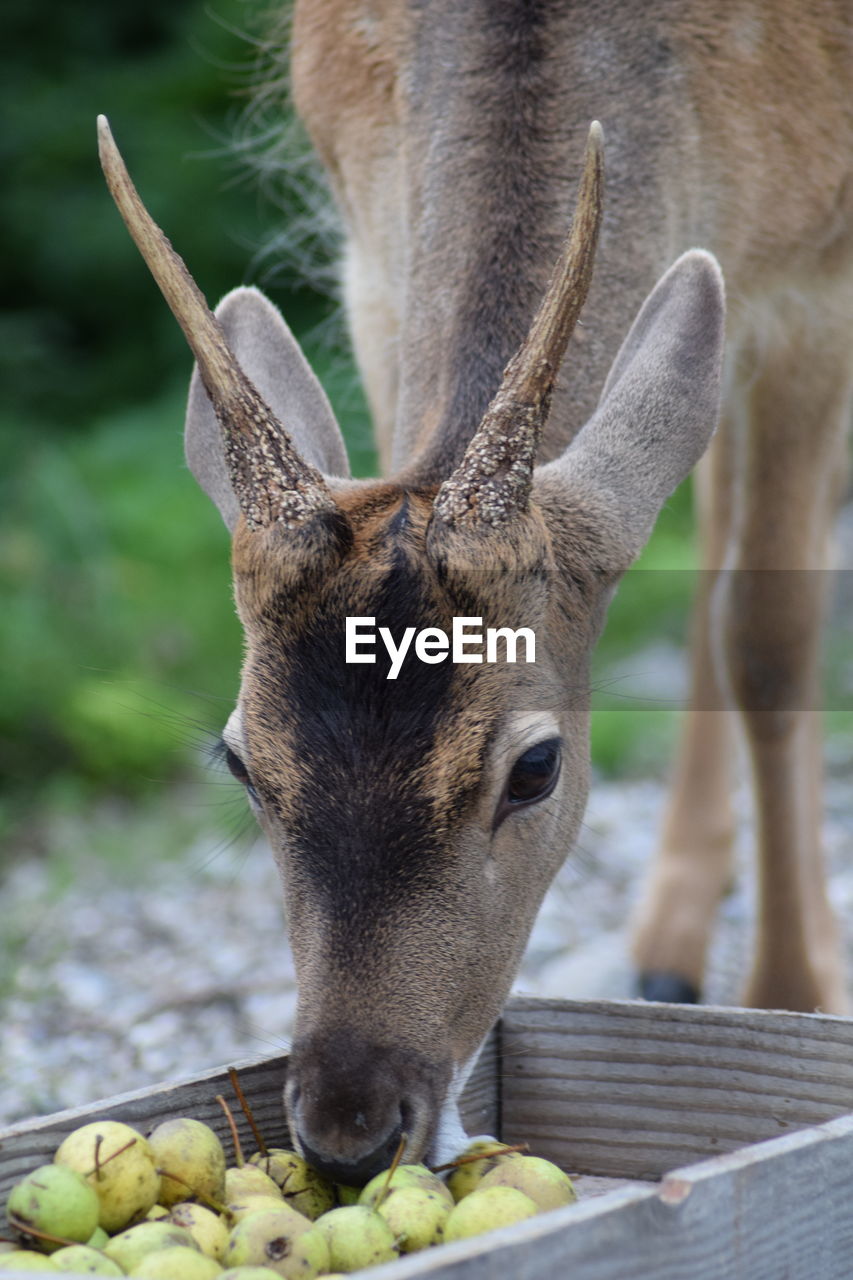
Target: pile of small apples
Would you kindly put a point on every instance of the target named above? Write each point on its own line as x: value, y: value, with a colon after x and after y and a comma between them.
x: 114, y: 1203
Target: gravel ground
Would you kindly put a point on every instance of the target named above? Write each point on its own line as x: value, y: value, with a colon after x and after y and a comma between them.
x: 121, y: 985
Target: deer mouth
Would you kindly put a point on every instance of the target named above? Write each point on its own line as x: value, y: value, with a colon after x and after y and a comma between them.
x: 350, y: 1103
x: 354, y: 1171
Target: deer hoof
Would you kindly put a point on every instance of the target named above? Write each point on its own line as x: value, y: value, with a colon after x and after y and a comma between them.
x: 669, y: 988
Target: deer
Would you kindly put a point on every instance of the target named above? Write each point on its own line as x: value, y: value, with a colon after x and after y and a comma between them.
x: 532, y: 420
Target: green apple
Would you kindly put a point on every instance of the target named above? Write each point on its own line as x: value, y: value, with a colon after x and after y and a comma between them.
x: 206, y: 1227
x: 416, y: 1216
x: 240, y: 1209
x: 131, y: 1246
x: 545, y: 1183
x: 176, y: 1263
x: 119, y: 1164
x: 300, y: 1185
x: 156, y: 1213
x: 357, y: 1237
x: 26, y: 1260
x: 465, y: 1177
x: 482, y: 1211
x: 193, y: 1153
x: 249, y: 1180
x: 56, y: 1200
x: 280, y: 1239
x: 252, y: 1273
x: 405, y: 1175
x: 82, y: 1259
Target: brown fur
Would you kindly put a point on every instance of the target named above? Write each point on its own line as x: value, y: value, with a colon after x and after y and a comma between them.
x: 452, y: 134
x: 415, y: 919
x: 729, y: 126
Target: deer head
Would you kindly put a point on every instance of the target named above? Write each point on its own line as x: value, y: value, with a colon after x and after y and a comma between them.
x: 417, y: 822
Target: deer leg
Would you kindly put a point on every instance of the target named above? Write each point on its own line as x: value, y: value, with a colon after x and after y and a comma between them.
x: 772, y: 606
x: 673, y: 923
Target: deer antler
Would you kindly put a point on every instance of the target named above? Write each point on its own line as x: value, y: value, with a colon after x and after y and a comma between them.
x: 272, y: 484
x: 492, y: 482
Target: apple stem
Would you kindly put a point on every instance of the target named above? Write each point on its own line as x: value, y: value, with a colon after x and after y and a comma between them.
x: 99, y: 1163
x: 235, y: 1137
x: 480, y: 1155
x: 398, y: 1156
x: 247, y: 1110
x: 26, y: 1230
x: 194, y: 1192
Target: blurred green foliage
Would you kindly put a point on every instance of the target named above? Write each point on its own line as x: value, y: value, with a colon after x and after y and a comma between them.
x: 84, y: 328
x: 118, y: 642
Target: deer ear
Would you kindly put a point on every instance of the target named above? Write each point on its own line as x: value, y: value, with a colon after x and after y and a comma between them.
x: 271, y: 357
x: 656, y: 415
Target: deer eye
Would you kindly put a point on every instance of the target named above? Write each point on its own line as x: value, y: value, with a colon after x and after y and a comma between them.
x: 240, y: 772
x: 533, y: 775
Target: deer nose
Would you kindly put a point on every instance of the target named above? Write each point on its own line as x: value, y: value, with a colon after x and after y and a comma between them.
x: 346, y: 1137
x: 353, y: 1173
x: 347, y: 1133
x: 350, y: 1101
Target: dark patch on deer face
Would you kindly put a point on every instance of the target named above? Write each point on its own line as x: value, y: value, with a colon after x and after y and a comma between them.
x: 341, y: 754
x: 362, y: 822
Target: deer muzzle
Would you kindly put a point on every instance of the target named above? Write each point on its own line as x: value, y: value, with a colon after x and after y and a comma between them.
x: 350, y: 1101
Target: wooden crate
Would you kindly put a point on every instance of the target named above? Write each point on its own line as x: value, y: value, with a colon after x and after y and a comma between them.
x: 629, y: 1096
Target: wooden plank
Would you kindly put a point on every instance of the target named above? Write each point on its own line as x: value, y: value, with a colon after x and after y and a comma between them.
x: 633, y: 1089
x: 479, y: 1105
x: 768, y: 1212
x: 30, y: 1143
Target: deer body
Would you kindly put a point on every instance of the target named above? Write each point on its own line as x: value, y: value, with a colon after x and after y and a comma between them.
x: 418, y: 822
x: 452, y: 136
x: 728, y: 126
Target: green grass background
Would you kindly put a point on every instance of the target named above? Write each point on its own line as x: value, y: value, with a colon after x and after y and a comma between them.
x: 119, y: 649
